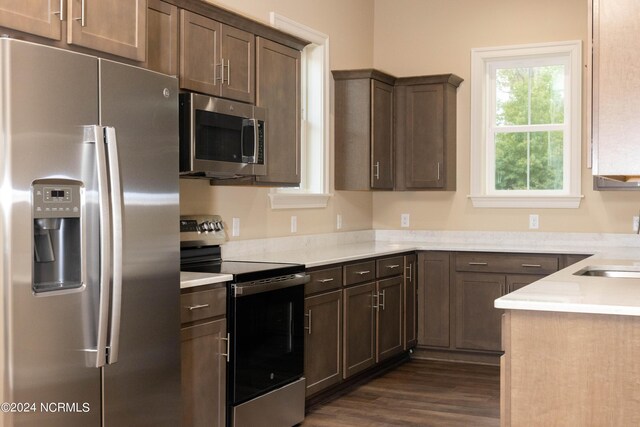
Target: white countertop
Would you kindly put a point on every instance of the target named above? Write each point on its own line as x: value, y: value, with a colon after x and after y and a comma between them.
x: 566, y: 292
x: 189, y: 279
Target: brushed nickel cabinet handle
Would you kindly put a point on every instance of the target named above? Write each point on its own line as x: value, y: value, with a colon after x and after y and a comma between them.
x: 61, y: 12
x: 308, y: 328
x: 438, y: 171
x: 228, y: 72
x: 377, y: 297
x: 381, y: 303
x: 228, y: 340
x: 532, y: 265
x: 221, y: 78
x: 82, y: 14
x: 478, y: 263
x: 376, y: 175
x: 361, y: 273
x: 325, y: 280
x: 197, y: 307
x: 409, y: 269
x: 393, y: 266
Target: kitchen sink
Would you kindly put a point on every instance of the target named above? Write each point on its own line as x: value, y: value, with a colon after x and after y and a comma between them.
x: 625, y: 272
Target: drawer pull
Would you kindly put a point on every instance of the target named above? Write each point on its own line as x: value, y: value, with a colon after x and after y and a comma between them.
x: 325, y: 280
x: 361, y: 273
x: 479, y: 263
x: 393, y: 266
x: 532, y: 265
x: 197, y: 307
x: 381, y: 301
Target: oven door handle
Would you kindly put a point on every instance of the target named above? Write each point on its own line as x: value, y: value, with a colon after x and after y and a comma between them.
x: 251, y: 288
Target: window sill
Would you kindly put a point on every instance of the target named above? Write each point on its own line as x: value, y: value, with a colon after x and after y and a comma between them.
x: 557, y: 202
x: 284, y: 200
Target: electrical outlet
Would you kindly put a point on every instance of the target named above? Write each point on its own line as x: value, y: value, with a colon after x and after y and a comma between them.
x: 294, y: 224
x: 404, y: 220
x: 636, y: 222
x: 534, y: 222
x: 338, y: 222
x: 235, y: 227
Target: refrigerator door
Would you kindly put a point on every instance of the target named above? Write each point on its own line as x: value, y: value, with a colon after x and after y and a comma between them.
x: 143, y: 387
x: 47, y: 339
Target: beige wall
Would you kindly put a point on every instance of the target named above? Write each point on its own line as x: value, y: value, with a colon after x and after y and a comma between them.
x: 414, y: 37
x: 349, y: 25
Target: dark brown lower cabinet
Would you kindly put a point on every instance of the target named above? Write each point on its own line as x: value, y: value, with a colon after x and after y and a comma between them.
x: 517, y: 281
x: 410, y: 302
x: 322, y: 343
x: 359, y: 328
x: 433, y: 299
x: 478, y: 322
x: 389, y: 318
x: 204, y: 370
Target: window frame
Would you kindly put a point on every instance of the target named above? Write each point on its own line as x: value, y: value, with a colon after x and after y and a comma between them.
x: 304, y: 196
x: 483, y: 62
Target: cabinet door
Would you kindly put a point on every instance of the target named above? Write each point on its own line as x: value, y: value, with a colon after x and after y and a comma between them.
x: 359, y: 328
x: 389, y: 318
x: 517, y: 281
x: 424, y: 137
x: 381, y: 135
x: 114, y: 26
x: 39, y: 17
x: 433, y: 299
x: 410, y: 302
x: 200, y: 67
x: 478, y: 322
x: 204, y: 370
x: 278, y: 89
x: 238, y: 59
x: 162, y: 37
x: 323, y: 341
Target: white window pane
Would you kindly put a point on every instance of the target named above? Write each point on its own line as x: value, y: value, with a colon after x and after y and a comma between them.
x: 529, y: 160
x: 547, y: 94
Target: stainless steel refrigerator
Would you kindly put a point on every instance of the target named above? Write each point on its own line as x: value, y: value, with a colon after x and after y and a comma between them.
x: 89, y: 296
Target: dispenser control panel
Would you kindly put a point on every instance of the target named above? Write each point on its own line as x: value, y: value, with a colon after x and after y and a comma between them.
x: 56, y: 201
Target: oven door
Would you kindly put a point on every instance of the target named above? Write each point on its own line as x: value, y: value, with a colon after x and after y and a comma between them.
x: 267, y: 340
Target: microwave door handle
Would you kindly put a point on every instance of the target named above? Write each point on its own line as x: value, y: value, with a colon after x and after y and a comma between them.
x: 256, y: 142
x: 116, y: 249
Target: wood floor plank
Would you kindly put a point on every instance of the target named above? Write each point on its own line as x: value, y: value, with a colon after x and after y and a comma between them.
x: 418, y: 393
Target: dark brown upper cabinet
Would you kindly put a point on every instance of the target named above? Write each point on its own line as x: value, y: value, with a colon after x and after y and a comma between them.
x: 363, y: 130
x: 117, y: 27
x: 426, y: 132
x: 395, y: 134
x: 215, y: 58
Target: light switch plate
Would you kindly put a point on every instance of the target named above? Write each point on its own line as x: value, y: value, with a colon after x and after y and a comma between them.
x: 294, y: 224
x: 235, y: 227
x: 338, y: 222
x: 534, y: 222
x: 404, y: 220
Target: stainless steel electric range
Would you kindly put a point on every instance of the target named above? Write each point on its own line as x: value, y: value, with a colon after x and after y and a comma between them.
x: 265, y: 309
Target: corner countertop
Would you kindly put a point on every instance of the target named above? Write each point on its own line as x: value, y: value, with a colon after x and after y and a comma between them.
x: 566, y: 292
x: 190, y: 280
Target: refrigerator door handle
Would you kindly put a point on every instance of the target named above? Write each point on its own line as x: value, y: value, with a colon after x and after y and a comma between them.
x: 95, y: 134
x: 116, y: 243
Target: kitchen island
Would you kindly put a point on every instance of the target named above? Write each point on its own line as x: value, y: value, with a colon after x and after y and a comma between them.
x: 572, y: 346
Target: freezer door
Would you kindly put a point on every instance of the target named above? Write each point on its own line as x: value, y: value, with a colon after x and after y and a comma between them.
x: 47, y: 340
x: 143, y: 387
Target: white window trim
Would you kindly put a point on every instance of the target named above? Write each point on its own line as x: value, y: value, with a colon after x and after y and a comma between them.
x: 482, y: 58
x: 287, y: 198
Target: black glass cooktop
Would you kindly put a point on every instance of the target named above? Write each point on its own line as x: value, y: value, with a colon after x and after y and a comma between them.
x: 207, y: 260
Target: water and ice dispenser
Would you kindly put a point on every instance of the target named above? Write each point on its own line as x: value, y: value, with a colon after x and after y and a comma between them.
x: 57, y: 236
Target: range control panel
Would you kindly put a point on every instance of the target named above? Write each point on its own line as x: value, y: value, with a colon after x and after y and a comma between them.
x: 201, y: 230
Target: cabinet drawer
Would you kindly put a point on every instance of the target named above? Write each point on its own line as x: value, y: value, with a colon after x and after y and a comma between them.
x: 324, y: 280
x: 507, y: 263
x: 357, y: 273
x: 388, y: 267
x: 204, y: 304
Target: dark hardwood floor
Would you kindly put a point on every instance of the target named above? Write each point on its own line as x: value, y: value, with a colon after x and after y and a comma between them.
x: 418, y: 393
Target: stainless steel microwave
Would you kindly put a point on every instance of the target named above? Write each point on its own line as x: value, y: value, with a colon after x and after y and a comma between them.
x: 221, y: 138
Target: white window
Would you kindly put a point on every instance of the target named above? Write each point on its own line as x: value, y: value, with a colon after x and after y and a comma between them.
x: 313, y: 189
x: 526, y: 126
